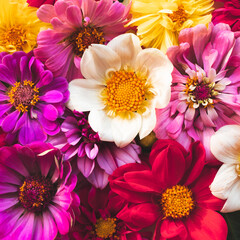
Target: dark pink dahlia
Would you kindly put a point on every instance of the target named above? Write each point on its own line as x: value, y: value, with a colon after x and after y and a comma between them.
x: 229, y: 14
x: 31, y: 99
x: 95, y: 159
x: 76, y: 25
x: 36, y: 192
x: 205, y: 86
x: 98, y: 219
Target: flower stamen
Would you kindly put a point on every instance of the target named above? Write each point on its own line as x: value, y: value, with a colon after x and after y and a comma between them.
x: 178, y: 16
x: 177, y: 202
x: 105, y: 228
x: 23, y: 95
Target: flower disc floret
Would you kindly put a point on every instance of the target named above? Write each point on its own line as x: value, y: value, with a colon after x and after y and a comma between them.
x: 36, y: 193
x: 179, y: 16
x: 125, y: 92
x: 105, y: 228
x: 177, y: 202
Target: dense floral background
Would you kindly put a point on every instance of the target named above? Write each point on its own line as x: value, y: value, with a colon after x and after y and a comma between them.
x: 119, y: 120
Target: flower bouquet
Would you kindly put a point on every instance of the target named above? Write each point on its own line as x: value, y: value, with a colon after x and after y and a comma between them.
x: 119, y: 120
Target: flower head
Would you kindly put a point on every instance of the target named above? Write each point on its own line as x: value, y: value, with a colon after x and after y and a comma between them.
x: 77, y: 25
x: 225, y: 145
x: 31, y: 98
x: 229, y: 14
x: 159, y: 22
x: 205, y: 86
x: 123, y: 86
x: 95, y: 159
x: 173, y: 193
x: 38, y: 192
x: 19, y: 26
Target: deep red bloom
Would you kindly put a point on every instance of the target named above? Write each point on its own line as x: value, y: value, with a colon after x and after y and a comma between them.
x: 173, y: 194
x: 229, y: 14
x: 38, y: 3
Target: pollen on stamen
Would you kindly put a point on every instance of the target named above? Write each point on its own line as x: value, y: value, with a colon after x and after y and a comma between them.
x: 177, y: 202
x: 125, y: 92
x: 179, y: 16
x: 84, y: 37
x: 23, y: 95
x: 105, y: 228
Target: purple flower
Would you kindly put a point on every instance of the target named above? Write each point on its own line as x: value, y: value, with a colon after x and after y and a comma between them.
x: 95, y: 159
x: 31, y: 99
x: 36, y: 192
x: 76, y: 25
x: 205, y: 89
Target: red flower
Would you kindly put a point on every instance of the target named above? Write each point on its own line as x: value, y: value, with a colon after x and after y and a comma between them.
x: 174, y: 193
x: 229, y: 14
x: 38, y: 3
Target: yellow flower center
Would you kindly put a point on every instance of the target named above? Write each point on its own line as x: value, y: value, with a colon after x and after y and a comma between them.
x: 126, y: 93
x: 177, y: 202
x: 84, y: 37
x: 105, y: 228
x: 178, y: 16
x: 23, y: 96
x: 14, y: 36
x: 200, y: 93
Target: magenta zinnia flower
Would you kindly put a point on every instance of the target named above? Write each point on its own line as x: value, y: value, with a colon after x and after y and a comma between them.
x: 229, y: 14
x: 205, y: 89
x: 95, y: 159
x: 172, y: 195
x: 31, y: 99
x: 76, y: 25
x: 36, y: 192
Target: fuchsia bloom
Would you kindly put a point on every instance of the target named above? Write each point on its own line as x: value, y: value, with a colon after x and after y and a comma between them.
x: 95, y: 159
x: 76, y: 25
x: 98, y: 219
x: 229, y: 14
x: 38, y: 3
x: 36, y: 193
x: 31, y: 99
x: 205, y: 89
x: 173, y: 193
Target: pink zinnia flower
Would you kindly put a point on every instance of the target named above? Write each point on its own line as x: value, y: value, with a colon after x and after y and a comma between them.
x: 205, y: 89
x: 95, y: 159
x: 76, y: 25
x: 173, y: 193
x: 229, y: 14
x: 31, y: 99
x: 36, y: 192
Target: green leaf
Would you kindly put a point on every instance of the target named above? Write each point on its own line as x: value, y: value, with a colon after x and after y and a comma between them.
x: 233, y: 222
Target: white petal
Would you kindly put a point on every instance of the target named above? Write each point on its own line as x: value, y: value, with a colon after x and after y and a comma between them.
x: 233, y: 204
x: 85, y: 95
x: 127, y: 46
x: 151, y: 58
x: 101, y: 123
x: 97, y: 60
x: 148, y: 124
x: 225, y: 144
x: 224, y: 180
x: 125, y: 130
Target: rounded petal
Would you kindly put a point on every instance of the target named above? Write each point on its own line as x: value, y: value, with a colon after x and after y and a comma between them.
x: 85, y: 95
x: 127, y: 46
x: 225, y: 144
x: 97, y: 60
x: 148, y: 124
x: 125, y: 130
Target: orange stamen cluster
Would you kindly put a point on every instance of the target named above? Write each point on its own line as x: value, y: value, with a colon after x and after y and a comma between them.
x: 23, y: 95
x: 125, y: 92
x: 177, y: 202
x: 14, y: 36
x: 200, y: 93
x: 105, y: 228
x: 84, y: 37
x: 178, y: 16
x: 36, y: 193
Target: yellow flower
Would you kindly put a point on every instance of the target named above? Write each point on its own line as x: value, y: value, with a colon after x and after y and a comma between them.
x: 19, y: 26
x: 159, y: 22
